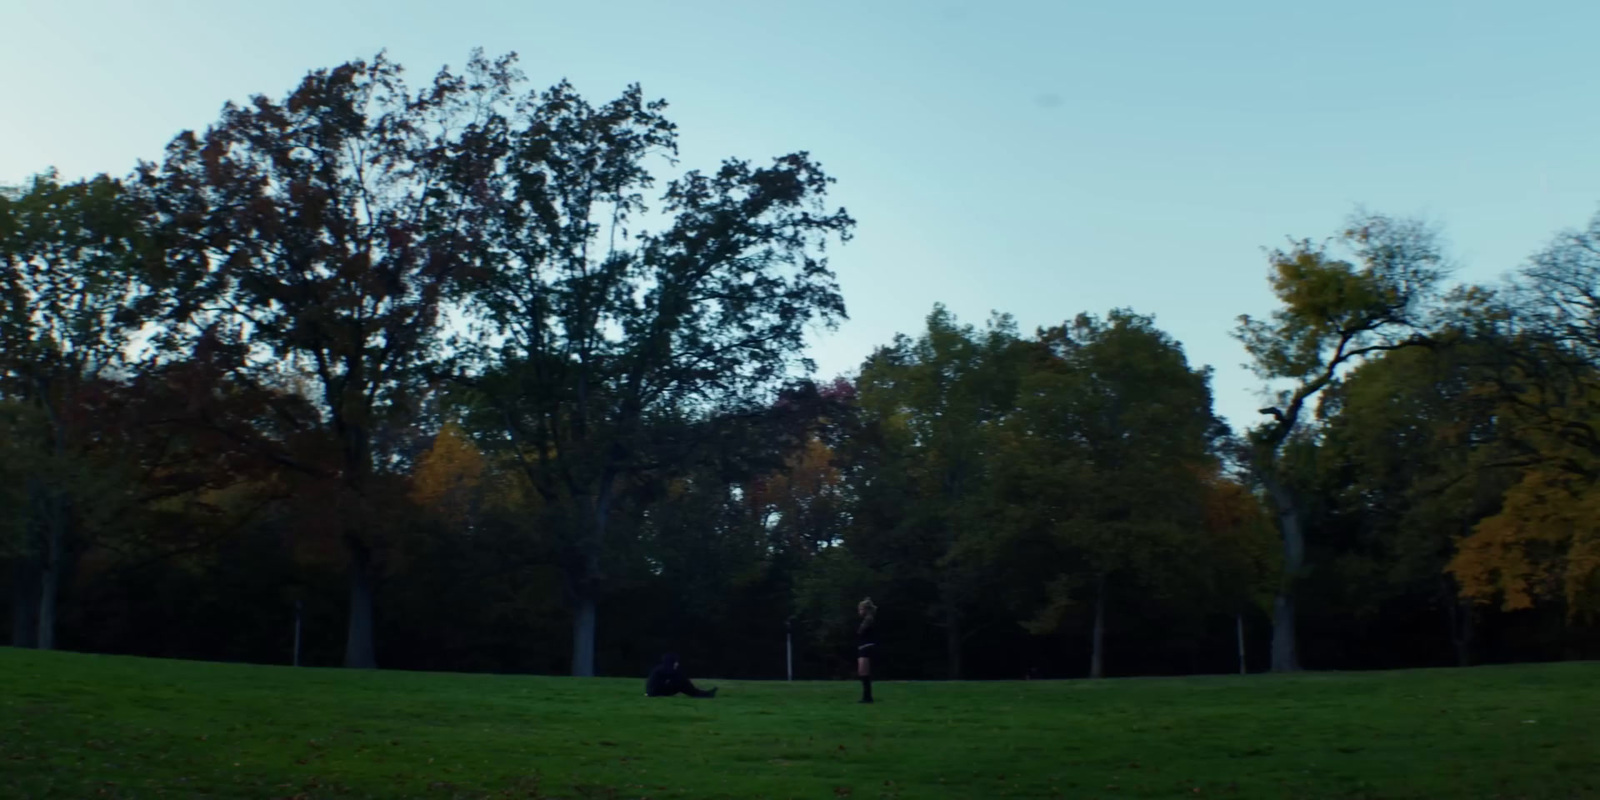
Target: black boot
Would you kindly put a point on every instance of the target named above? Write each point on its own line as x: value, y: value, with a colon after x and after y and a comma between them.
x: 866, y: 688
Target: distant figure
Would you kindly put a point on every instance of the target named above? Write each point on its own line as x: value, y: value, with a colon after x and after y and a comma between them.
x: 866, y: 645
x: 665, y: 681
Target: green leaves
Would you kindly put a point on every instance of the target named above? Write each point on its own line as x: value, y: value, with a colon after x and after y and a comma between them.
x: 1108, y: 411
x: 70, y: 258
x: 620, y: 356
x: 1003, y: 476
x: 1335, y: 310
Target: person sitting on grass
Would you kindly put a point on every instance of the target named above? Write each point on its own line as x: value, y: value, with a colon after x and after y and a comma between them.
x: 665, y: 681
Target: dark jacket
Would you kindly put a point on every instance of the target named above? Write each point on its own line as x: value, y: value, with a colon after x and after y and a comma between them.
x: 867, y: 637
x: 664, y: 675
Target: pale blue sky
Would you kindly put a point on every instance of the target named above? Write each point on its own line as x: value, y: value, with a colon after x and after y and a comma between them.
x: 1035, y: 158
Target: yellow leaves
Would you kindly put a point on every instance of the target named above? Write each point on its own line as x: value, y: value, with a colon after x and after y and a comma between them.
x: 1582, y: 584
x: 453, y: 465
x: 449, y: 478
x: 809, y: 473
x: 456, y: 480
x: 1492, y: 563
x: 1544, y: 544
x: 1310, y: 284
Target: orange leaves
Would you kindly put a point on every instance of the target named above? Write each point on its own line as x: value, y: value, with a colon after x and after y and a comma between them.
x: 449, y: 479
x: 450, y: 469
x: 1229, y: 505
x: 1543, y: 545
x: 810, y: 472
x: 455, y: 480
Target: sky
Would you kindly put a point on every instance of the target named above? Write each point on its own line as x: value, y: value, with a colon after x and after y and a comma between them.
x: 1039, y: 159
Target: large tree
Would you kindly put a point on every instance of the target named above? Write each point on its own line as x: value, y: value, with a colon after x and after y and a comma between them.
x: 1239, y: 553
x: 1413, y: 456
x: 1335, y: 311
x: 69, y: 300
x: 1544, y: 546
x: 1108, y: 447
x: 922, y: 470
x: 625, y: 340
x: 322, y: 233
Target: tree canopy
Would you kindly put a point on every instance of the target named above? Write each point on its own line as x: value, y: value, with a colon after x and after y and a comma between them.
x: 465, y: 375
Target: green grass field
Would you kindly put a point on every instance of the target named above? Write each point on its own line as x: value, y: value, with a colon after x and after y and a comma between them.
x: 78, y: 726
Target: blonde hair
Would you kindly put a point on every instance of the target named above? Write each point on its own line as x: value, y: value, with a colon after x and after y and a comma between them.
x: 868, y: 606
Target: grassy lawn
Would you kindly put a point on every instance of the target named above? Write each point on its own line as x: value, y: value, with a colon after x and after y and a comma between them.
x: 77, y: 726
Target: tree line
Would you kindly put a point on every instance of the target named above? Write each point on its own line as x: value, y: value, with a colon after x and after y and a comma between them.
x: 442, y: 377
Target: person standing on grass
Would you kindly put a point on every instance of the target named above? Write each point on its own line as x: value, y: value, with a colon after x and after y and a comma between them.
x: 866, y: 645
x: 665, y: 681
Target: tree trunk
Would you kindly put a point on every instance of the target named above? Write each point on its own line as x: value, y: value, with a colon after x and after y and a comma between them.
x: 1284, y: 656
x: 1238, y: 626
x: 25, y: 602
x: 585, y: 621
x: 952, y: 641
x: 1097, y: 647
x: 52, y: 561
x: 1458, y: 616
x: 50, y: 504
x: 350, y: 421
x: 358, y: 647
x: 586, y: 613
x: 49, y: 591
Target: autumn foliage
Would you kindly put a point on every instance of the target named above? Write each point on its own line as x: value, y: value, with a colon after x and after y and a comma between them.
x: 442, y: 375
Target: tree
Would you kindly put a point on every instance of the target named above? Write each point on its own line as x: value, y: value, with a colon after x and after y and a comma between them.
x: 615, y: 349
x: 323, y: 232
x: 69, y: 297
x: 1542, y: 546
x: 450, y: 478
x: 802, y: 505
x: 1110, y: 411
x: 1415, y: 451
x: 922, y: 497
x: 1238, y: 551
x: 1334, y: 313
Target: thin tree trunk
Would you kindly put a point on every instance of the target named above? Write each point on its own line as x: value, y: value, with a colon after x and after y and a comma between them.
x: 585, y: 621
x: 52, y: 561
x: 1284, y: 658
x: 51, y: 504
x: 1238, y: 626
x: 1458, y: 616
x: 1284, y: 655
x: 25, y: 602
x: 49, y: 591
x: 952, y: 641
x: 359, y: 652
x: 1097, y: 649
x: 586, y: 613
